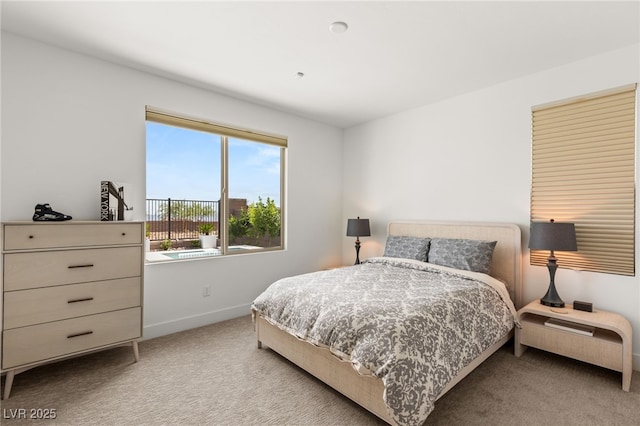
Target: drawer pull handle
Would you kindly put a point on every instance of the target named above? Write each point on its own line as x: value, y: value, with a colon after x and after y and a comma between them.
x: 31, y: 237
x: 88, y: 265
x: 124, y: 233
x: 85, y: 299
x: 84, y: 333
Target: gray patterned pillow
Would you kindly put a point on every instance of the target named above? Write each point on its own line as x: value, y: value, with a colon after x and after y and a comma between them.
x: 470, y: 255
x: 407, y: 247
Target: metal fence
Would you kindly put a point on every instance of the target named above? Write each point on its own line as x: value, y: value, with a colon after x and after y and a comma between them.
x: 169, y: 219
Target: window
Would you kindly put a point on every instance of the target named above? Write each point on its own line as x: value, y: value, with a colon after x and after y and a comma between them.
x: 211, y: 189
x: 583, y: 171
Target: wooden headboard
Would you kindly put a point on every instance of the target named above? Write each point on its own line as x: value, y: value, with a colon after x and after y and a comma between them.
x: 507, y: 256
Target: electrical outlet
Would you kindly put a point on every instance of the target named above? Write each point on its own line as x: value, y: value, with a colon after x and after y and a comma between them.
x: 206, y: 291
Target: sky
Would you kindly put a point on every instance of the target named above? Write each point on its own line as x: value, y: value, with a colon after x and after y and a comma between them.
x: 184, y: 164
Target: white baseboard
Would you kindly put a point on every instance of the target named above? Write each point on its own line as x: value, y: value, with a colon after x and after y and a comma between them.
x: 187, y: 323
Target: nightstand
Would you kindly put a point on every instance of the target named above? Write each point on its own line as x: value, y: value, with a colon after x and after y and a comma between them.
x: 609, y: 347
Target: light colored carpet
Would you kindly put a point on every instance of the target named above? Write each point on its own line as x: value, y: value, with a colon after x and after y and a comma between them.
x: 215, y: 375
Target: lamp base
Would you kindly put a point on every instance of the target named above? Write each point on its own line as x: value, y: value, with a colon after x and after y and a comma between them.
x: 357, y: 251
x: 552, y: 303
x: 552, y: 298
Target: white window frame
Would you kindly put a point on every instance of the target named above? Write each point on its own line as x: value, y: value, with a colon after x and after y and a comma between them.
x: 225, y: 132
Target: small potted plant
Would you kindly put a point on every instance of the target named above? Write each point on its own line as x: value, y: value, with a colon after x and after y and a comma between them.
x: 207, y: 239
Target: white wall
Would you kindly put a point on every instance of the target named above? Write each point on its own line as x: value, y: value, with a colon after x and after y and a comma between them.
x: 70, y: 121
x: 469, y: 158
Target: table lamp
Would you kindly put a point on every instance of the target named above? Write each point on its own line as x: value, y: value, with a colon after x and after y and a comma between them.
x: 358, y: 228
x: 552, y: 236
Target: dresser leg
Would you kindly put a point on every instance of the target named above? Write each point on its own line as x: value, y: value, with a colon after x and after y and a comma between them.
x: 136, y: 354
x: 8, y: 383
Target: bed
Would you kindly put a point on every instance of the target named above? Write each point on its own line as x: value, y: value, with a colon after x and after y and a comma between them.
x: 398, y: 367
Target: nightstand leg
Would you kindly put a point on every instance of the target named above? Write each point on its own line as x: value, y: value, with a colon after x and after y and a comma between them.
x: 627, y: 363
x: 8, y: 383
x: 518, y: 348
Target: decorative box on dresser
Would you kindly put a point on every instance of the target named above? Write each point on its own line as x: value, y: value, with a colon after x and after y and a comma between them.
x: 69, y: 288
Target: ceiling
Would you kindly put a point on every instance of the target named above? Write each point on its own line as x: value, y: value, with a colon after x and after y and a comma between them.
x: 394, y: 55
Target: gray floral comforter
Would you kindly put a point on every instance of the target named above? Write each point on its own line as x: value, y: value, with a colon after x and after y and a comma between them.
x: 412, y: 324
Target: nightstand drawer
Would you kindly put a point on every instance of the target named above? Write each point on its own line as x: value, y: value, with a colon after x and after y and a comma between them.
x: 604, y: 348
x: 61, y: 235
x: 50, y: 268
x: 45, y: 341
x: 35, y: 306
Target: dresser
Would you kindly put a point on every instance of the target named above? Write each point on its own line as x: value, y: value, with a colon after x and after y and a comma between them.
x: 69, y: 288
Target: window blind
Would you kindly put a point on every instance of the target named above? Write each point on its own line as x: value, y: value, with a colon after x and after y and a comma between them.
x: 583, y: 171
x: 158, y: 116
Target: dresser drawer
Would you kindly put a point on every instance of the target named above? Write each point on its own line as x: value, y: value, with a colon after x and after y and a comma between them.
x: 35, y: 306
x: 49, y: 268
x: 44, y: 341
x: 69, y: 234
